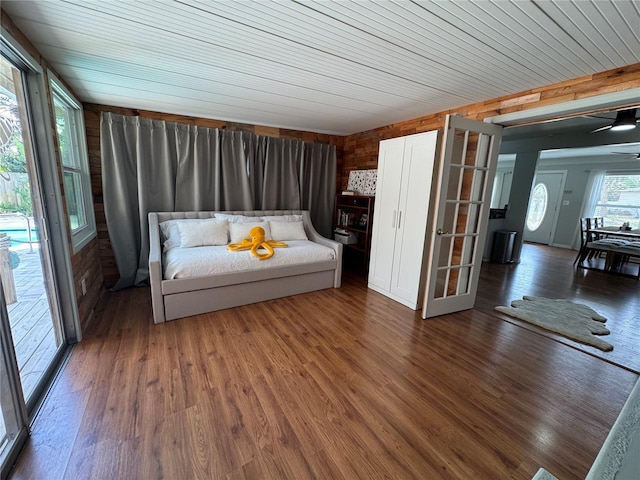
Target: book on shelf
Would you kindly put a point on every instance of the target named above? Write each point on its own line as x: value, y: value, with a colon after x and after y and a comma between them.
x: 349, y: 192
x: 346, y: 218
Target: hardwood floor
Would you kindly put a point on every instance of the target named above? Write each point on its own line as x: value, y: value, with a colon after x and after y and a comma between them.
x: 336, y: 384
x: 549, y: 272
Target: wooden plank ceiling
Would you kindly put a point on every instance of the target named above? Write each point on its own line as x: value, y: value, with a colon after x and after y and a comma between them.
x: 326, y: 66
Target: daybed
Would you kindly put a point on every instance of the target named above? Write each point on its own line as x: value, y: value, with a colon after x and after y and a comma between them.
x: 176, y: 293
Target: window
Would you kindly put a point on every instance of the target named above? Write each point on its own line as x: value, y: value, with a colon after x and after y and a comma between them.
x: 619, y: 199
x: 75, y: 165
x: 537, y: 207
x: 501, y: 187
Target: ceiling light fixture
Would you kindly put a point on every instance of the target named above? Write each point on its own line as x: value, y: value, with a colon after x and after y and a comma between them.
x: 625, y: 120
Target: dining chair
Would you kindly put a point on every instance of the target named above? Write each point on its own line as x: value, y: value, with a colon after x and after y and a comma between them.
x: 584, y: 224
x: 586, y: 253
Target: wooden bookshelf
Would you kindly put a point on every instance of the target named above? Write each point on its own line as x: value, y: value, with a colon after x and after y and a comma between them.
x: 353, y: 215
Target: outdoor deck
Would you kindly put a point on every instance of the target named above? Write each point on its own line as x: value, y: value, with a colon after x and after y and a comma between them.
x: 30, y: 319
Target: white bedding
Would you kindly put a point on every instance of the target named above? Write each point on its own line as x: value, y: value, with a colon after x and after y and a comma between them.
x: 210, y: 260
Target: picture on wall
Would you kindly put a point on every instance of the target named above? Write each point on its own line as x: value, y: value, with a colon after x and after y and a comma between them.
x: 363, y: 182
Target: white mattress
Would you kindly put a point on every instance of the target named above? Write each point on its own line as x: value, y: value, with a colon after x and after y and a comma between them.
x: 211, y: 260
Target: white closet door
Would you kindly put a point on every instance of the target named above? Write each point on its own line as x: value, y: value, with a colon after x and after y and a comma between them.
x: 417, y: 174
x: 385, y: 217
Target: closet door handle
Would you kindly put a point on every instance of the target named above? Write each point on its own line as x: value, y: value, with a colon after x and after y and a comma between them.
x: 399, y: 217
x: 393, y: 221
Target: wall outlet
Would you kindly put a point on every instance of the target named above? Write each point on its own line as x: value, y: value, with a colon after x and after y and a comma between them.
x: 84, y: 286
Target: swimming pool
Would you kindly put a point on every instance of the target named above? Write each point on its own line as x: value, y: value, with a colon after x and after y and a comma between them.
x: 19, y: 235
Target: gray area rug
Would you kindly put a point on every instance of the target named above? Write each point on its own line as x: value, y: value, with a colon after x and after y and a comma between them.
x: 572, y: 320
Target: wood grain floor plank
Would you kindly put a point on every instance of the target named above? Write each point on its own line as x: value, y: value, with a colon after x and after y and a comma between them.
x: 341, y: 383
x: 51, y: 449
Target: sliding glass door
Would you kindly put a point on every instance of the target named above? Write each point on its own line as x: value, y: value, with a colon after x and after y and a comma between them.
x: 33, y: 337
x: 13, y: 414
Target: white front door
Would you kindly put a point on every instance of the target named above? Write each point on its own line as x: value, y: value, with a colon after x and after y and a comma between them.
x: 544, y: 207
x: 467, y: 167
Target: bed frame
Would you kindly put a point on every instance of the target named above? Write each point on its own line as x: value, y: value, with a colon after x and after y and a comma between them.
x: 184, y: 297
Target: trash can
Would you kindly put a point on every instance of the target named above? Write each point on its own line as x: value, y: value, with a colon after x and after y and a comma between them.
x: 502, y: 250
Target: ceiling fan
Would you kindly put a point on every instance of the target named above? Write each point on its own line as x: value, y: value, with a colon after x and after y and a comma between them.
x: 625, y: 120
x: 630, y: 154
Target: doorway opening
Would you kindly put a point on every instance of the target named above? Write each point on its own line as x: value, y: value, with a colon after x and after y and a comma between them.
x: 573, y: 137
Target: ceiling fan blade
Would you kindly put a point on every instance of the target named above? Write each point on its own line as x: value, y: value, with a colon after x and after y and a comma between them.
x: 599, y: 117
x: 629, y: 154
x: 625, y: 120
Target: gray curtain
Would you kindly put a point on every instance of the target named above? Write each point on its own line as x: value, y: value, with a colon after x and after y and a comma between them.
x: 318, y: 166
x: 280, y: 189
x: 152, y: 166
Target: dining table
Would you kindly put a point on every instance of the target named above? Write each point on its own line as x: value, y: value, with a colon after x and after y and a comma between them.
x: 628, y: 247
x: 631, y: 235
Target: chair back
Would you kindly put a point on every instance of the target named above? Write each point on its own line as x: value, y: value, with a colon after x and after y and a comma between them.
x: 586, y: 224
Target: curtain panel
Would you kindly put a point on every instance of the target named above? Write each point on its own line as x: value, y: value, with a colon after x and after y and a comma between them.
x: 152, y: 166
x: 591, y: 196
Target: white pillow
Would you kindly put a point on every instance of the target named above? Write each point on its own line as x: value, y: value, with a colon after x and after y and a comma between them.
x: 169, y: 229
x: 237, y: 218
x: 240, y: 231
x: 282, y: 218
x: 205, y: 232
x: 283, y: 231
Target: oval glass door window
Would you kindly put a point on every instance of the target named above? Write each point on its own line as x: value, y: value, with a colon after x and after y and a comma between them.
x: 537, y: 207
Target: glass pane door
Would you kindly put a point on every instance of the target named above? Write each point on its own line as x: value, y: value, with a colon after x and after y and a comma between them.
x: 13, y: 416
x: 32, y: 338
x: 25, y: 261
x: 466, y: 173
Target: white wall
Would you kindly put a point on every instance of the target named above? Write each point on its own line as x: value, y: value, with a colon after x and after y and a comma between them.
x: 577, y: 176
x: 578, y: 171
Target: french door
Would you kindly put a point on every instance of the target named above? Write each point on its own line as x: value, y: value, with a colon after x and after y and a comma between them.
x: 33, y: 338
x: 544, y: 207
x: 467, y: 167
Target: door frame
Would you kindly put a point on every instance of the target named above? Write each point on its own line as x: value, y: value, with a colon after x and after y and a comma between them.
x: 48, y: 176
x: 55, y: 239
x: 556, y: 213
x: 572, y: 108
x: 12, y: 389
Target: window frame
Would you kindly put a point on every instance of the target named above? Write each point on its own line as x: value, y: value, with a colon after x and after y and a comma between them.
x: 545, y: 209
x: 598, y: 203
x: 81, y: 236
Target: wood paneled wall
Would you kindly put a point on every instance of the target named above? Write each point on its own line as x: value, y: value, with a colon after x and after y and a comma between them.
x: 92, y: 121
x: 95, y: 262
x: 85, y: 263
x: 361, y: 149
